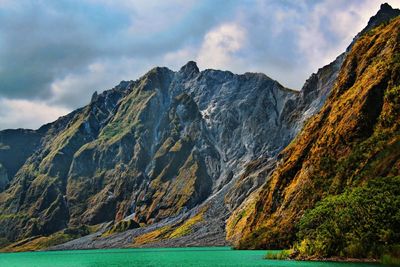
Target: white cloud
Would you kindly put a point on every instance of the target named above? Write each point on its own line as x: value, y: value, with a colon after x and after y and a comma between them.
x: 4, y: 2
x: 220, y: 45
x: 150, y: 16
x: 331, y: 25
x: 27, y: 114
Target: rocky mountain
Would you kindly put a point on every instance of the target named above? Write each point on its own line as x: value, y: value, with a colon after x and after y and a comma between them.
x: 148, y: 150
x: 162, y: 161
x: 350, y: 146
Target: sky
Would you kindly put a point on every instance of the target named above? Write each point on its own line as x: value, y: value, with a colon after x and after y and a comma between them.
x: 55, y: 54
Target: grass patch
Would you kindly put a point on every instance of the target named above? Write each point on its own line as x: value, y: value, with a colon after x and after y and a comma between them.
x: 278, y: 255
x: 186, y: 227
x: 170, y: 231
x: 43, y: 242
x: 122, y: 226
x: 392, y: 256
x: 152, y: 236
x: 388, y: 259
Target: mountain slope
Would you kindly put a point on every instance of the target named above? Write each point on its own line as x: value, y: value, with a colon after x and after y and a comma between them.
x: 353, y: 139
x: 144, y: 151
x: 15, y: 147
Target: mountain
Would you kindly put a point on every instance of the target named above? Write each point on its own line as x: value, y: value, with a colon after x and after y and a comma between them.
x: 340, y: 175
x: 148, y: 149
x: 166, y: 160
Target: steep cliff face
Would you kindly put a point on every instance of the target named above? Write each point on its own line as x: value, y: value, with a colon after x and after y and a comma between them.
x: 295, y: 112
x: 146, y: 150
x: 34, y: 202
x: 353, y: 138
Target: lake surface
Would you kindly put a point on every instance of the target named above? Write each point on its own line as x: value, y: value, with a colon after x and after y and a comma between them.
x: 205, y: 256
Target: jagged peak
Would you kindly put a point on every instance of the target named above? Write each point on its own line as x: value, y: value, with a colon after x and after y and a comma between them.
x: 94, y: 97
x: 385, y: 7
x: 384, y: 14
x: 124, y: 85
x: 156, y: 72
x: 190, y: 67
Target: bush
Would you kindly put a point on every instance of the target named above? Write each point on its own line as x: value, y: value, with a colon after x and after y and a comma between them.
x: 361, y: 223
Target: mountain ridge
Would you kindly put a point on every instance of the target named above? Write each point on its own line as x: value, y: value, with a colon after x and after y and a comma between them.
x: 81, y: 142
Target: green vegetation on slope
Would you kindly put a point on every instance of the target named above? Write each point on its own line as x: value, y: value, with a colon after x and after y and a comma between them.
x: 339, y: 157
x: 360, y: 223
x: 122, y: 226
x: 42, y: 242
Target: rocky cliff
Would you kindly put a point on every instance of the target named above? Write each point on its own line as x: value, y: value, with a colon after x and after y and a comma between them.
x: 352, y: 141
x: 149, y: 149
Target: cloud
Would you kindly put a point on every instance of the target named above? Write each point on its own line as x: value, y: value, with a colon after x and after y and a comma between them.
x: 76, y: 89
x: 331, y: 26
x: 220, y: 45
x: 41, y: 42
x: 27, y: 114
x: 44, y: 41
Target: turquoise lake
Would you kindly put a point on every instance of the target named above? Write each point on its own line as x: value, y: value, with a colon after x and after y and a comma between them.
x: 205, y: 256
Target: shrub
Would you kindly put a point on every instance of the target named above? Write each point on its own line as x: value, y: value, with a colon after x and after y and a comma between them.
x: 362, y: 222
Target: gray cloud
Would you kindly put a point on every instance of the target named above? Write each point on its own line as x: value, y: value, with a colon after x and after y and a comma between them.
x: 47, y: 40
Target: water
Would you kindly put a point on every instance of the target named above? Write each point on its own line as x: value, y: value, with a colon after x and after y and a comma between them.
x: 205, y: 256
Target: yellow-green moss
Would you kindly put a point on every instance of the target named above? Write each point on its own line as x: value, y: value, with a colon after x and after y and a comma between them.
x: 152, y: 236
x: 187, y: 226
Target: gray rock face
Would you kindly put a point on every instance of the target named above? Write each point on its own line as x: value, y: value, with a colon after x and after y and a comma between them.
x: 241, y: 113
x: 149, y: 149
x: 240, y: 119
x: 312, y: 96
x: 296, y: 110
